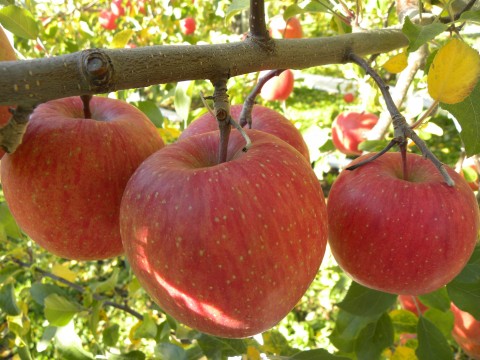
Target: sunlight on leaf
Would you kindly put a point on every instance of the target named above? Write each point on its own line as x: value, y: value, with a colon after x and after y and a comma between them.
x: 454, y: 72
x: 19, y: 21
x: 63, y: 271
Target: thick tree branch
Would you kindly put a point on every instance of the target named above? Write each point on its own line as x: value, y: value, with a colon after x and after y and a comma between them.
x: 103, y: 70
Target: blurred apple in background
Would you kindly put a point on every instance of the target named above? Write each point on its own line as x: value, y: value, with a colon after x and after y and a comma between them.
x: 281, y: 29
x: 278, y: 87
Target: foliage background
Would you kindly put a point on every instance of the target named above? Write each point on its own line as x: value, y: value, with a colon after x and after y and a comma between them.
x: 59, y: 309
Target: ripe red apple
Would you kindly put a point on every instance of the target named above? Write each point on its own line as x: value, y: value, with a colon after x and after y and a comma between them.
x: 263, y: 119
x: 466, y: 332
x: 349, y: 130
x: 290, y: 29
x: 6, y: 53
x: 188, y: 25
x: 229, y: 248
x: 279, y: 87
x: 348, y: 97
x: 107, y: 20
x: 408, y: 303
x: 401, y: 236
x: 65, y: 181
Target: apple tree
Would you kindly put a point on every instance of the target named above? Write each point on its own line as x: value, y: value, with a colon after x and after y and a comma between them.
x: 153, y: 206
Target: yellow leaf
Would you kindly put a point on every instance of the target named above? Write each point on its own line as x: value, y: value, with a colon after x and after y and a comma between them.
x: 63, y: 272
x: 253, y: 353
x: 404, y: 353
x: 454, y: 72
x: 396, y: 63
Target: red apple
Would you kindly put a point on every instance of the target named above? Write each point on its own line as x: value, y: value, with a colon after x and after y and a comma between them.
x: 279, y: 87
x: 263, y: 119
x: 401, y: 236
x: 65, y: 181
x: 408, y: 303
x: 349, y: 97
x: 466, y: 332
x: 290, y: 29
x: 349, y: 130
x: 188, y: 25
x: 107, y: 20
x: 230, y: 248
x: 117, y: 8
x: 6, y: 53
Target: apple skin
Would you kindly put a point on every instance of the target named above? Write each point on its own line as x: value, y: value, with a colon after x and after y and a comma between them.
x: 263, y: 119
x: 188, y: 26
x: 408, y: 304
x: 397, y: 236
x: 278, y: 87
x: 290, y: 29
x: 349, y: 129
x: 466, y: 332
x: 7, y: 53
x: 226, y: 249
x: 65, y: 181
x: 107, y: 20
x: 349, y: 97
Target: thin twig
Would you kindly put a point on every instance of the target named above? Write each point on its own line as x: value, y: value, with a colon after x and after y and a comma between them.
x: 258, y: 26
x: 246, y: 114
x: 243, y: 132
x: 80, y: 289
x: 400, y: 126
x: 221, y: 106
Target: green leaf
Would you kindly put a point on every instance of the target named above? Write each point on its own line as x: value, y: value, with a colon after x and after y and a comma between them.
x: 7, y: 222
x: 40, y: 291
x: 419, y: 35
x: 183, y: 99
x: 432, y: 345
x: 168, y: 351
x: 473, y: 16
x: 317, y: 354
x: 69, y: 345
x: 147, y: 329
x: 374, y: 338
x: 443, y: 320
x: 438, y: 299
x: 132, y: 355
x: 121, y: 38
x: 215, y: 347
x: 404, y: 321
x: 9, y: 271
x: 59, y: 311
x: 373, y: 145
x: 8, y: 303
x: 24, y: 353
x: 291, y: 11
x: 107, y: 285
x: 152, y: 111
x: 111, y: 335
x: 236, y: 7
x: 47, y: 336
x: 464, y: 290
x: 346, y: 330
x: 363, y: 301
x: 320, y: 6
x: 19, y: 21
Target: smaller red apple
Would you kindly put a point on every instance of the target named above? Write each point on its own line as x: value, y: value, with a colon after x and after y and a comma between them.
x: 408, y: 303
x: 349, y: 129
x: 290, y: 29
x: 188, y: 25
x: 466, y: 332
x: 107, y: 20
x: 279, y: 87
x: 349, y: 97
x: 117, y: 8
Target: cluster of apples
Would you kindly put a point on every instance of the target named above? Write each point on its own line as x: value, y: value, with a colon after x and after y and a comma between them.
x: 118, y: 8
x: 226, y: 248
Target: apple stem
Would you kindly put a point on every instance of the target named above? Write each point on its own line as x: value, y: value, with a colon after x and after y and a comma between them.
x: 11, y: 134
x: 246, y: 114
x: 221, y: 106
x: 401, y: 129
x: 80, y: 288
x: 417, y: 305
x: 403, y: 151
x: 87, y: 114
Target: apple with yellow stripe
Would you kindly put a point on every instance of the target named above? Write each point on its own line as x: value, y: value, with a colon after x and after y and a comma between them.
x: 230, y: 248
